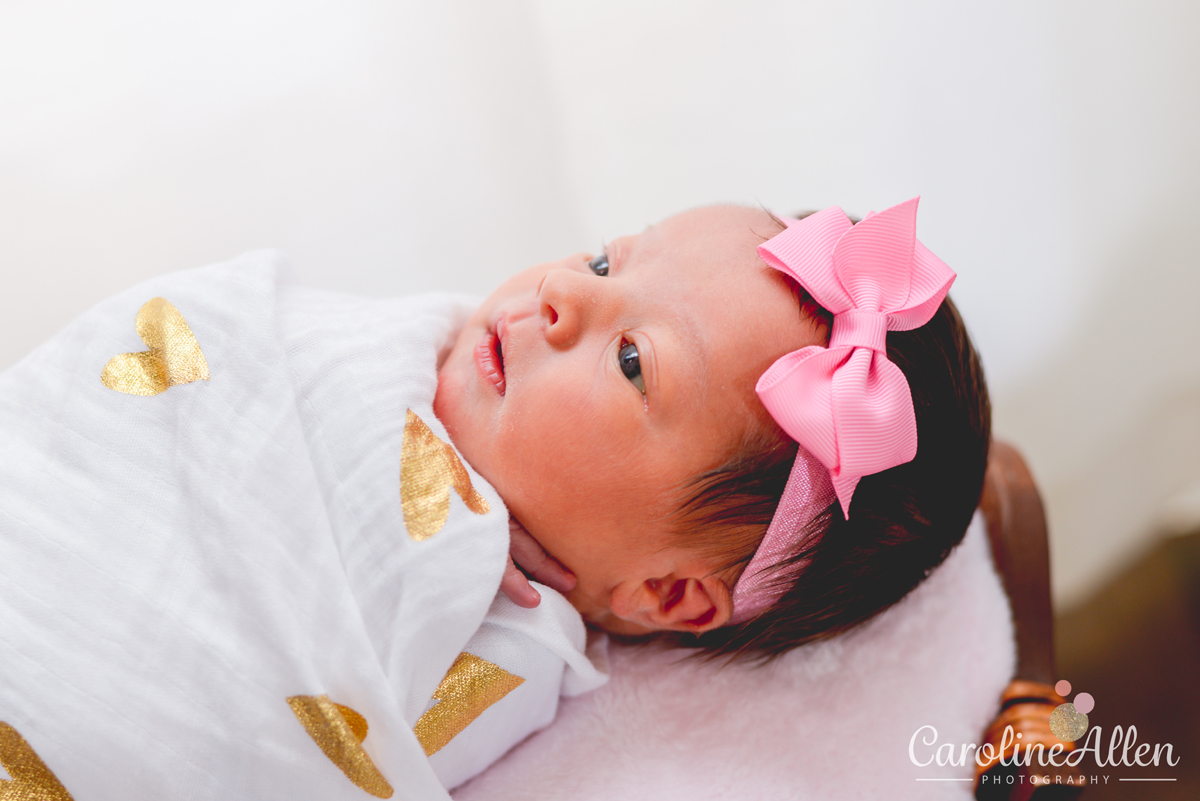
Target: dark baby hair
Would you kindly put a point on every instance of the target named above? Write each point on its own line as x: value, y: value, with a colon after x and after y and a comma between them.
x: 903, y: 521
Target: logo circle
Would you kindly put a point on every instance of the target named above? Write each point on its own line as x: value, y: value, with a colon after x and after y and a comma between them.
x: 1067, y: 723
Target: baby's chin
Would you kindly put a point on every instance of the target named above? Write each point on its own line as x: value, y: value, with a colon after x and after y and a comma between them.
x: 452, y: 404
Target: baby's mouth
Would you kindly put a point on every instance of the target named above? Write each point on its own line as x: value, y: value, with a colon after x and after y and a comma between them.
x: 489, y: 358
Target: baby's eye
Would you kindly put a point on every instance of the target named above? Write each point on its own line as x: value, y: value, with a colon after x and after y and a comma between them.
x: 599, y: 265
x: 631, y: 365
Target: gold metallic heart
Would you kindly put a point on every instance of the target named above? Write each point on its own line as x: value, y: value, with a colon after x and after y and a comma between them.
x: 174, y: 356
x: 428, y: 469
x: 1067, y: 723
x: 30, y: 779
x: 471, y: 685
x: 339, y: 731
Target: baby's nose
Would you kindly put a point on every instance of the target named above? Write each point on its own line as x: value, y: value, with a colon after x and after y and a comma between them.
x: 567, y: 301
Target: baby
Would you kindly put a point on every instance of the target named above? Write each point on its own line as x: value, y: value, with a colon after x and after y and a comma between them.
x: 611, y: 401
x: 735, y: 430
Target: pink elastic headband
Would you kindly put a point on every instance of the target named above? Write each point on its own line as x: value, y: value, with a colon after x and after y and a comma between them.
x: 848, y: 407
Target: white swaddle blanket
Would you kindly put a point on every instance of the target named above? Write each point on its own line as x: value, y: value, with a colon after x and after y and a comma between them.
x: 212, y: 589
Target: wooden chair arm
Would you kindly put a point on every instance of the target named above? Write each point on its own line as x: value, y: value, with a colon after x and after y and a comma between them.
x: 1016, y: 524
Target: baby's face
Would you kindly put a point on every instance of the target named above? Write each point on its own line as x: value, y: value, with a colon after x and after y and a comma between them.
x: 591, y: 400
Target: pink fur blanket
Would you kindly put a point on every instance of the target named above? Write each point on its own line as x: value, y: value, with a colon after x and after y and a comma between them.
x: 834, y: 720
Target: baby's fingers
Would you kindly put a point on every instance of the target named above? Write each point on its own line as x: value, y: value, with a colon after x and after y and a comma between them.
x: 533, y: 559
x: 517, y: 587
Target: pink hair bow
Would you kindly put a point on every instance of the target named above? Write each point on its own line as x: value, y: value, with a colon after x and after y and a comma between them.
x: 847, y: 405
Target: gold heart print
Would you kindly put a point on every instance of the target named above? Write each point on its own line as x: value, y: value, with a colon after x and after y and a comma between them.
x: 340, y: 731
x: 428, y: 469
x: 29, y: 778
x: 471, y: 686
x: 174, y: 357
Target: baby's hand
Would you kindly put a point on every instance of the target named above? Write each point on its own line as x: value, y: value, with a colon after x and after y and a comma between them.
x: 525, y: 551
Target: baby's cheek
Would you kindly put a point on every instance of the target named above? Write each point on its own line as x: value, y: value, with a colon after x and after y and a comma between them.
x: 447, y: 400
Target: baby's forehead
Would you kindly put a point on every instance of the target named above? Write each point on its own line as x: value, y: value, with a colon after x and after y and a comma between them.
x: 711, y: 291
x: 718, y: 234
x: 723, y: 218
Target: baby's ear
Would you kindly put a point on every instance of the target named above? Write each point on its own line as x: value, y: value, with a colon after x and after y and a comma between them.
x: 689, y: 604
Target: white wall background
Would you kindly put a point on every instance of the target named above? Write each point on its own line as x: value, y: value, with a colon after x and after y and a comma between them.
x: 399, y: 146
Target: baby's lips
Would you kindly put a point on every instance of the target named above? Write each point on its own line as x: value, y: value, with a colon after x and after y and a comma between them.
x: 502, y: 348
x: 487, y: 361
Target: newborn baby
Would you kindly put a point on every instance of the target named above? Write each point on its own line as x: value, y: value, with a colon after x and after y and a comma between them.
x: 223, y: 587
x: 593, y: 391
